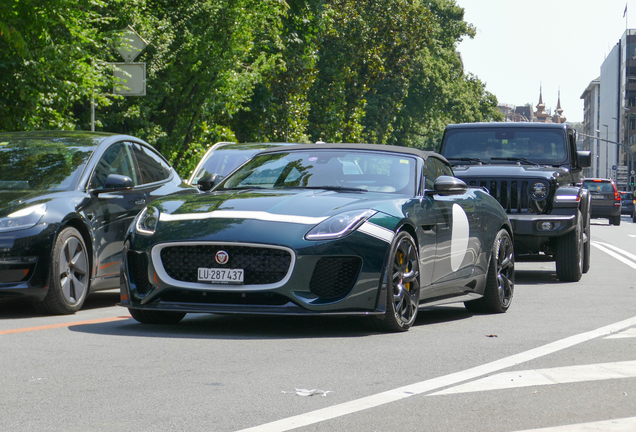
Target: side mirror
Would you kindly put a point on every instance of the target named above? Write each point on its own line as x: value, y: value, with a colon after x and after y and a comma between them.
x: 448, y: 185
x: 116, y: 182
x: 208, y: 181
x: 585, y: 159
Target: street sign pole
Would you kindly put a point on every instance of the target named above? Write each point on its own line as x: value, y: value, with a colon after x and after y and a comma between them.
x: 132, y: 74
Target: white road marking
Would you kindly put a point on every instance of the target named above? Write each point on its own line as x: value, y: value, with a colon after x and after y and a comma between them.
x: 629, y: 333
x: 606, y: 248
x: 616, y: 425
x: 551, y: 376
x: 393, y: 395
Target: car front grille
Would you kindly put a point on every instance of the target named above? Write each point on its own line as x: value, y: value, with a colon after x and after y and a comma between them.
x: 335, y: 276
x: 138, y: 271
x: 261, y: 265
x: 512, y: 194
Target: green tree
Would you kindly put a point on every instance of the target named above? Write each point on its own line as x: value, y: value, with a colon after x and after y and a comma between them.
x: 204, y: 60
x: 440, y: 92
x: 50, y: 61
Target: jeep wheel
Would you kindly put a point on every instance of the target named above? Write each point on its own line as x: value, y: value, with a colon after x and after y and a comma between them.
x: 587, y: 237
x: 615, y: 220
x: 569, y: 254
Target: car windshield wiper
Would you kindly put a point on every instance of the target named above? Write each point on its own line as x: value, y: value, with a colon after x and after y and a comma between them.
x: 465, y: 159
x: 515, y: 159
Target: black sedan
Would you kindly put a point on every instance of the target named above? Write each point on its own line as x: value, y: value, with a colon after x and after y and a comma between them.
x: 66, y: 201
x: 367, y: 230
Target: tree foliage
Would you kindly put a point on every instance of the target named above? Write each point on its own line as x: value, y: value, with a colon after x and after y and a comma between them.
x: 384, y: 71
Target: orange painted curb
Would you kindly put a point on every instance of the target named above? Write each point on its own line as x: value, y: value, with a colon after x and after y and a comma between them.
x: 69, y: 324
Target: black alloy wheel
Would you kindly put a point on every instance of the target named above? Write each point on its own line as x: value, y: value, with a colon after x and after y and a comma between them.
x: 500, y: 280
x: 70, y: 275
x: 403, y: 285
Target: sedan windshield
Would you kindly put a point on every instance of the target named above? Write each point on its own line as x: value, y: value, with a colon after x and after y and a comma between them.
x: 505, y: 145
x: 41, y: 164
x: 340, y: 170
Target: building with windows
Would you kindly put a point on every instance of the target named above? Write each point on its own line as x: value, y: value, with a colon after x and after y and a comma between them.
x: 610, y: 113
x: 591, y: 99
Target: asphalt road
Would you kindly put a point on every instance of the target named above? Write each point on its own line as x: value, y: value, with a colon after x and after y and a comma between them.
x: 563, y: 355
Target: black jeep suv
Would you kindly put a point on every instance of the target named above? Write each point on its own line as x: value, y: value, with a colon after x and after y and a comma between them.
x: 534, y: 171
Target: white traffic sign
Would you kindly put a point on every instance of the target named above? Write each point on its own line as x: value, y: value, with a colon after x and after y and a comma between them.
x: 131, y: 45
x: 131, y: 79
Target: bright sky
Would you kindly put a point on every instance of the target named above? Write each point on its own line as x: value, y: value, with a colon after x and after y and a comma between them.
x: 521, y: 45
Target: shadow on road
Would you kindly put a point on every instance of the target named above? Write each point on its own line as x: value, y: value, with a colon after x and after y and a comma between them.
x: 15, y: 307
x: 536, y: 277
x: 211, y: 326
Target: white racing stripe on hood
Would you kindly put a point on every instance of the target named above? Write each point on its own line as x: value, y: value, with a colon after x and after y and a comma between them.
x: 239, y: 214
x: 377, y: 231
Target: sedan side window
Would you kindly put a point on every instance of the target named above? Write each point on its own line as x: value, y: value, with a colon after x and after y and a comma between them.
x: 116, y: 160
x: 152, y: 167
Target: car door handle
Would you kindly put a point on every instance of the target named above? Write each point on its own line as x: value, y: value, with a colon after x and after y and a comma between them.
x: 141, y: 201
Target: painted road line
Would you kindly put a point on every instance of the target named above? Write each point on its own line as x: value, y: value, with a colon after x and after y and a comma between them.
x: 551, y: 376
x: 629, y: 333
x: 389, y: 396
x: 605, y: 248
x: 615, y: 425
x: 60, y: 325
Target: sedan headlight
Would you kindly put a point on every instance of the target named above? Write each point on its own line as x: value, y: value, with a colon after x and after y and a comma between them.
x: 539, y: 191
x: 22, y: 219
x: 339, y: 225
x: 147, y: 221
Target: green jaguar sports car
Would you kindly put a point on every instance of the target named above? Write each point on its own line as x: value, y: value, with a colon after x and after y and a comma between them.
x: 356, y: 229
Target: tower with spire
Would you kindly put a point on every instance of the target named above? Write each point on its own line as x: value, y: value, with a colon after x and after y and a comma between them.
x: 540, y: 114
x: 558, y: 115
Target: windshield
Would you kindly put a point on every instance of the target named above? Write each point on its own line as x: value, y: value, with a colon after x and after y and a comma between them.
x: 505, y: 145
x: 327, y: 169
x: 223, y: 162
x: 41, y: 163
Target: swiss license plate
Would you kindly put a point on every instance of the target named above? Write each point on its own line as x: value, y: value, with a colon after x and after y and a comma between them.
x: 597, y: 197
x: 229, y: 276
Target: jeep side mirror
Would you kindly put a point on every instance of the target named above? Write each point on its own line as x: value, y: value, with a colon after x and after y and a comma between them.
x: 585, y: 159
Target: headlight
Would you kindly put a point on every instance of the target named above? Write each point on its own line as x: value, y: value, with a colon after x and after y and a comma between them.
x: 339, y: 225
x: 22, y: 219
x: 539, y: 191
x: 147, y: 221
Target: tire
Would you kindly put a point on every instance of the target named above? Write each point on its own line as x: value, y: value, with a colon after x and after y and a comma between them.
x: 587, y: 249
x: 69, y: 279
x: 615, y: 220
x: 402, y: 286
x: 156, y: 317
x: 569, y: 254
x: 500, y: 279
